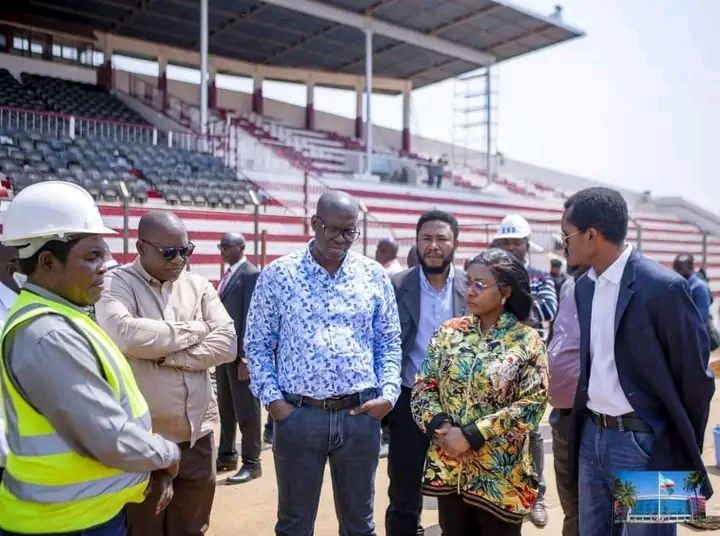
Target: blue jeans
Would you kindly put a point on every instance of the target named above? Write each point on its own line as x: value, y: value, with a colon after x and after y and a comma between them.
x: 117, y: 526
x: 303, y: 444
x: 604, y: 451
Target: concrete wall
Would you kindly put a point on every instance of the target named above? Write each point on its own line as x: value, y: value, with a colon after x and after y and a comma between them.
x: 20, y: 64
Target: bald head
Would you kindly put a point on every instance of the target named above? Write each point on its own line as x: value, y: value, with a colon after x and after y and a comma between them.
x: 232, y: 239
x: 232, y: 247
x: 161, y: 238
x: 159, y: 222
x: 337, y: 203
x: 387, y: 250
x: 684, y: 265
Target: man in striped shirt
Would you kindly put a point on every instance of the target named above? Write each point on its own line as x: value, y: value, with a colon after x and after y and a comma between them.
x: 513, y: 236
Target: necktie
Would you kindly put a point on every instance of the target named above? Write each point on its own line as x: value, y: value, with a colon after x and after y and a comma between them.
x: 224, y: 281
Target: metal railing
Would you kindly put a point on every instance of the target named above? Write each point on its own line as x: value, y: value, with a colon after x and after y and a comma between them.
x: 50, y: 123
x: 114, y: 130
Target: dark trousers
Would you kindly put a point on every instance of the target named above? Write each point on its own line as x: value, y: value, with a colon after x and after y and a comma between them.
x: 566, y: 486
x: 457, y: 518
x: 406, y: 460
x: 238, y: 407
x: 537, y: 452
x: 115, y: 527
x: 304, y: 442
x: 188, y: 514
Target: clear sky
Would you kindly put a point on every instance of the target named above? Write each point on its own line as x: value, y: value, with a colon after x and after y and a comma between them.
x: 646, y: 482
x: 636, y: 102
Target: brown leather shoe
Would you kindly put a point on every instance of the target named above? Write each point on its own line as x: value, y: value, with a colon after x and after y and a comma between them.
x: 538, y: 515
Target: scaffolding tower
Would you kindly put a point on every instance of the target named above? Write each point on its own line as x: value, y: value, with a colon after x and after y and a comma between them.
x: 475, y: 121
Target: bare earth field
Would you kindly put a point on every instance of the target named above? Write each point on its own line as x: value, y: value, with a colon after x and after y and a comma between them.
x: 249, y: 509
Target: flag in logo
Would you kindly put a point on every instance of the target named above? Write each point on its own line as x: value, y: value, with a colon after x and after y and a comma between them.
x: 666, y: 484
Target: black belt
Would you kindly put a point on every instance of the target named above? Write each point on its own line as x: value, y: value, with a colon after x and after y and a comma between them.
x: 629, y: 421
x: 334, y: 402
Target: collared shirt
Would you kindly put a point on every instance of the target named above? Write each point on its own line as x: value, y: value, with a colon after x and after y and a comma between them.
x: 605, y: 395
x: 44, y: 357
x: 233, y: 267
x: 393, y: 267
x: 7, y: 297
x: 564, y: 349
x: 318, y: 335
x: 700, y: 293
x: 436, y: 306
x: 172, y: 333
x: 229, y: 273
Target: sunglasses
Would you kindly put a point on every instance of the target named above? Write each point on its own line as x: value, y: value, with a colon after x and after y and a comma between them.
x: 170, y: 253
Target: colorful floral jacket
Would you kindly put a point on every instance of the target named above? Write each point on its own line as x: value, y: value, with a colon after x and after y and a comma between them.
x: 495, y: 387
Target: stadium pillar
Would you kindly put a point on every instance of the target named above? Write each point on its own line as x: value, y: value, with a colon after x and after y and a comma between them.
x: 368, y: 98
x: 257, y: 98
x: 203, y: 66
x: 359, y: 112
x: 8, y: 33
x: 310, y: 106
x: 104, y: 71
x: 162, y: 81
x: 406, y: 146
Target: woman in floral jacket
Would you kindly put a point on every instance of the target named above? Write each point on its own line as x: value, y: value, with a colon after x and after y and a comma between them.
x: 481, y: 389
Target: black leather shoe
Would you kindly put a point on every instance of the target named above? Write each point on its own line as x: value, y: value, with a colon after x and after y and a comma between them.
x: 226, y: 463
x: 245, y: 474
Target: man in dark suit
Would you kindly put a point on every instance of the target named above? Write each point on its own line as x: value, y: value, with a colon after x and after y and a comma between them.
x: 644, y: 391
x: 238, y: 407
x: 427, y: 295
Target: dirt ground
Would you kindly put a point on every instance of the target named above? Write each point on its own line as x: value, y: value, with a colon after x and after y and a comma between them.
x: 249, y: 509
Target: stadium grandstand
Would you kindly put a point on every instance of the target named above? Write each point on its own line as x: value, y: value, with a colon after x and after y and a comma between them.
x: 227, y: 160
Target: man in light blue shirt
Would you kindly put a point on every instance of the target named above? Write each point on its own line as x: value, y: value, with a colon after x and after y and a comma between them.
x: 427, y: 295
x: 323, y: 350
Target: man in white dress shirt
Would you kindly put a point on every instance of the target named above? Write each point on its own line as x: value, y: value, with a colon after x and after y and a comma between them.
x: 8, y: 293
x: 644, y: 391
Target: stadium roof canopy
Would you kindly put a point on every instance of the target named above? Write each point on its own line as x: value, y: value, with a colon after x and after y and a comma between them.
x: 424, y: 41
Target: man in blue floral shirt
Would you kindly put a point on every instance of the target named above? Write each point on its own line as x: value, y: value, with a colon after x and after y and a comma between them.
x: 323, y: 348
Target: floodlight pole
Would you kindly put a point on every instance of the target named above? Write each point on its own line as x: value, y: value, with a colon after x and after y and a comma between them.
x: 203, y: 67
x: 368, y: 98
x: 488, y: 133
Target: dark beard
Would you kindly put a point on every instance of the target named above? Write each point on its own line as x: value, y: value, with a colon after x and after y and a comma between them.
x: 439, y: 269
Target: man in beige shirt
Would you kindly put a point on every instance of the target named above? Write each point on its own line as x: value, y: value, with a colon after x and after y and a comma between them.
x: 173, y: 328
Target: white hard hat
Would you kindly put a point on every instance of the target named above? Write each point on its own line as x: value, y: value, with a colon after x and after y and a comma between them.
x: 52, y: 210
x: 513, y: 226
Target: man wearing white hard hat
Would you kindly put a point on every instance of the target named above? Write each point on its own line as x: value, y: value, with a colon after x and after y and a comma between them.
x: 513, y: 236
x: 78, y: 427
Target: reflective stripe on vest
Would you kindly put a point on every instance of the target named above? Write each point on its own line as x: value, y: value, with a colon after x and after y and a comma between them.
x: 48, y: 487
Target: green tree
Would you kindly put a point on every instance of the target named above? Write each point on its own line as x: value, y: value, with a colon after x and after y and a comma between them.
x: 626, y: 496
x: 692, y: 483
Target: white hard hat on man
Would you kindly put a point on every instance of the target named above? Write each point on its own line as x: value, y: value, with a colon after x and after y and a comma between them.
x: 513, y: 226
x: 52, y: 210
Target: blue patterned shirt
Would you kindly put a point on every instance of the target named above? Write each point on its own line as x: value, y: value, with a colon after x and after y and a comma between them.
x: 317, y: 335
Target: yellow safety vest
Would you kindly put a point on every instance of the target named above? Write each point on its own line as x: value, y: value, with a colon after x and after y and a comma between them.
x: 47, y: 487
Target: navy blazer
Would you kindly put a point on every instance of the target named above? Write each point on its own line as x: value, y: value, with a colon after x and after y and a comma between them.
x: 407, y: 293
x: 236, y: 298
x: 661, y: 354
